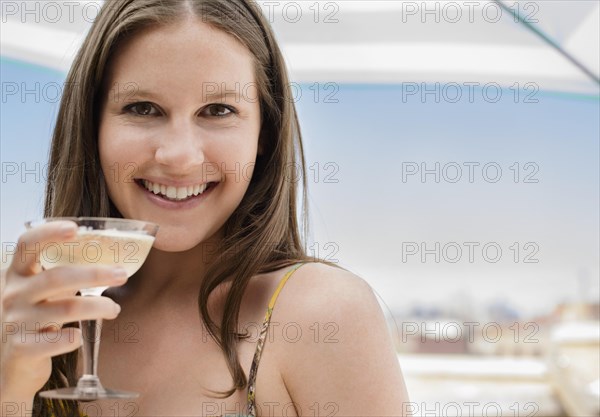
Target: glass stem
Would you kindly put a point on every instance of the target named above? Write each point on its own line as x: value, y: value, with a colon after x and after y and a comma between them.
x: 91, y: 331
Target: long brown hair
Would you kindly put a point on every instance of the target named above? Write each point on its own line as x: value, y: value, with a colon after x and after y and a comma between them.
x: 262, y: 234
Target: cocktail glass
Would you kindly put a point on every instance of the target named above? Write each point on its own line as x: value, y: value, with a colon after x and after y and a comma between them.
x: 104, y: 241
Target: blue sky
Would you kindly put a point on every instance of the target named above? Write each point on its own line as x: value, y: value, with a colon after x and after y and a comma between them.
x: 363, y: 141
x: 371, y: 132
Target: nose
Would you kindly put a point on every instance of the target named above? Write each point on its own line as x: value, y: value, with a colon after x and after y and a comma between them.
x: 180, y: 148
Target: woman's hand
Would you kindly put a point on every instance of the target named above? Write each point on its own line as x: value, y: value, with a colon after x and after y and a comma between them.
x: 36, y: 303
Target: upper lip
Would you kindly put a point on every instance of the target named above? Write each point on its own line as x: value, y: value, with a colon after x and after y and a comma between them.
x: 174, y: 183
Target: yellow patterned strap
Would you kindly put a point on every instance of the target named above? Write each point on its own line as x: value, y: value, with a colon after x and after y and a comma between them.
x: 279, y: 288
x: 261, y: 341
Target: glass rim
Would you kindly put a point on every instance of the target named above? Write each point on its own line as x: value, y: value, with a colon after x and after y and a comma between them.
x: 31, y: 223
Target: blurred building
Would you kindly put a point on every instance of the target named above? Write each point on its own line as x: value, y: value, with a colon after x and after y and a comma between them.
x: 547, y: 365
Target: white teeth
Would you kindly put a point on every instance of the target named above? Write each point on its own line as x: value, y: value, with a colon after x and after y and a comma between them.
x: 175, y: 193
x: 171, y: 192
x: 182, y: 193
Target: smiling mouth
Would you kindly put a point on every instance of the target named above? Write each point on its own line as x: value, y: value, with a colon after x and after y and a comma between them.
x: 172, y: 193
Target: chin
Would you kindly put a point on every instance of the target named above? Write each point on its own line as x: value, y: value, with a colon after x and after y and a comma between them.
x: 177, y: 240
x: 172, y: 246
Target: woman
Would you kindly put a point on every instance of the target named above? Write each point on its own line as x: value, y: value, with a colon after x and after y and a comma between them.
x: 164, y: 99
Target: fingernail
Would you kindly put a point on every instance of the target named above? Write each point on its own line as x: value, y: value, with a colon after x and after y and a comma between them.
x: 119, y: 274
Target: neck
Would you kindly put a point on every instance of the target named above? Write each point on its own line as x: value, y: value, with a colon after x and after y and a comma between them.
x: 170, y: 275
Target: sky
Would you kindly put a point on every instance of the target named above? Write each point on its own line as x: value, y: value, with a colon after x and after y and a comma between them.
x: 375, y: 136
x: 517, y: 175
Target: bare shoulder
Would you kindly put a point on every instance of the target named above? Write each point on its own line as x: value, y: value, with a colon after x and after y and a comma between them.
x: 326, y: 303
x: 332, y: 330
x: 323, y: 275
x: 320, y: 290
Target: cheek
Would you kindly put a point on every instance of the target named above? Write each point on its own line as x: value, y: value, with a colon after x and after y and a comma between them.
x: 237, y: 163
x: 119, y: 160
x: 236, y: 154
x: 106, y: 150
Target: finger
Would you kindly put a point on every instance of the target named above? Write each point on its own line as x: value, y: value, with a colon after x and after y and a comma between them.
x: 25, y: 261
x: 59, y: 281
x: 69, y: 310
x: 48, y: 343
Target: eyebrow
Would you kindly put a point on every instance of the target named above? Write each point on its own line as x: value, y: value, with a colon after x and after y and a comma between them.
x: 131, y: 91
x: 144, y: 94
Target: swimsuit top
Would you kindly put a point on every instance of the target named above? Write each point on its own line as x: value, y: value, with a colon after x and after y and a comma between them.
x: 251, y: 406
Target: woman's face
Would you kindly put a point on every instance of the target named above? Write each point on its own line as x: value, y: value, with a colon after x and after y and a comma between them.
x: 179, y: 130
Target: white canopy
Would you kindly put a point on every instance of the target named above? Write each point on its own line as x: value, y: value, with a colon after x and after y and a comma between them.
x: 373, y: 41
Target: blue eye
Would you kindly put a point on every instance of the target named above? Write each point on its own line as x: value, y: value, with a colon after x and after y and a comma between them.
x: 142, y: 109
